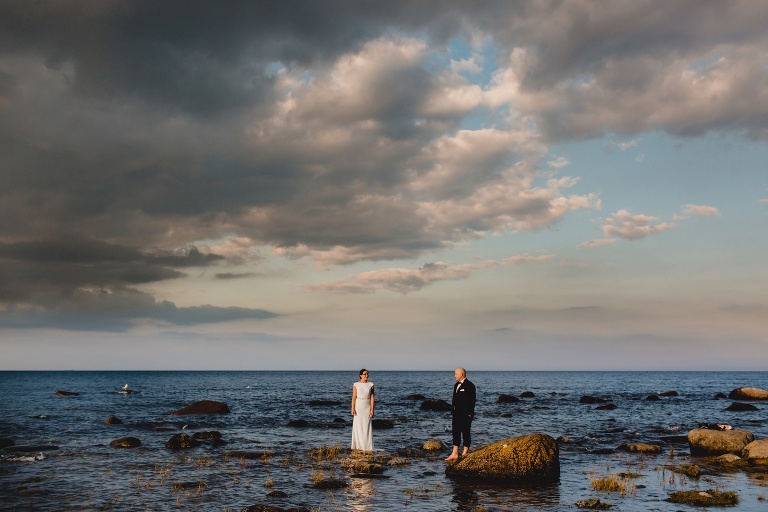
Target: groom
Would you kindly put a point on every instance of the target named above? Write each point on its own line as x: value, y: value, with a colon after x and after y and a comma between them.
x: 464, y: 397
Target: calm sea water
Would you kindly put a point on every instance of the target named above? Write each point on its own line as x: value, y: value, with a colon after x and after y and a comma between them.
x: 85, y: 473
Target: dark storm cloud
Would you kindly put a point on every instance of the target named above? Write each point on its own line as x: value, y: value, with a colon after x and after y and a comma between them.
x: 327, y: 129
x: 60, y: 266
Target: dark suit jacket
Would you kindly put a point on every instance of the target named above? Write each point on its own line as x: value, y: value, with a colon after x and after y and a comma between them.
x: 464, y: 398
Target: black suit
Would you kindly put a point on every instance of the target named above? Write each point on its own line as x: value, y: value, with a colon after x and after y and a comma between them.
x: 464, y: 397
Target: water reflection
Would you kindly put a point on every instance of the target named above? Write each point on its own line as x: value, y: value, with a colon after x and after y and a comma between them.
x: 471, y: 495
x: 361, y: 493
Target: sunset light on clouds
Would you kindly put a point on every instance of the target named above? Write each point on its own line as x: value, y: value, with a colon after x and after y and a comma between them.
x: 398, y: 185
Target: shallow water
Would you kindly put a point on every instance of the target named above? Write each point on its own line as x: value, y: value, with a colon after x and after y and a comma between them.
x: 85, y: 473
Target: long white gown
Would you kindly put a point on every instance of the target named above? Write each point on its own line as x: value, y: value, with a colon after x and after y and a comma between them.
x: 362, y: 439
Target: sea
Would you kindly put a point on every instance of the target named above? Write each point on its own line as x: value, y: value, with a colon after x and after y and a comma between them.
x: 79, y: 470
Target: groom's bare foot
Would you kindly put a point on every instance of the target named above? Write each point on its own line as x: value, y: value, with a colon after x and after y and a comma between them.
x: 452, y: 457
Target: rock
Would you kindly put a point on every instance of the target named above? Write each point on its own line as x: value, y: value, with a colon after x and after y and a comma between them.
x: 323, y: 403
x: 330, y: 483
x: 748, y: 393
x: 181, y: 442
x: 508, y: 399
x: 4, y: 443
x: 704, y: 441
x: 365, y: 467
x: 653, y: 398
x: 30, y: 448
x: 640, y: 448
x: 298, y: 423
x: 415, y: 396
x: 277, y: 494
x: 741, y: 407
x: 206, y: 436
x: 669, y: 393
x: 527, y: 394
x: 203, y: 407
x: 586, y: 399
x: 432, y: 404
x: 125, y: 442
x: 728, y: 458
x: 593, y: 504
x: 756, y: 452
x: 339, y: 420
x: 380, y: 424
x: 271, y: 508
x: 533, y: 457
x: 113, y: 420
x: 606, y: 407
x: 67, y: 393
x: 718, y: 396
x: 433, y: 445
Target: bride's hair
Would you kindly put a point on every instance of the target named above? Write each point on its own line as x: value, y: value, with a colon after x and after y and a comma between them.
x: 362, y: 372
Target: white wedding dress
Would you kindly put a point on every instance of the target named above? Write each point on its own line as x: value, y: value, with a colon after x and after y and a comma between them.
x: 362, y: 439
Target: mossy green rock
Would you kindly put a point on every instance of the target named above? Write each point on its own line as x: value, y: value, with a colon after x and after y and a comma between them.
x: 533, y: 457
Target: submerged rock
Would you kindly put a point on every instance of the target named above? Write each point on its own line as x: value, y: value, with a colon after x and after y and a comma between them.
x: 593, y: 504
x: 272, y: 508
x: 125, y: 442
x: 508, y: 399
x: 67, y: 393
x: 748, y: 393
x: 415, y: 396
x: 207, y: 436
x: 381, y: 424
x: 203, y: 407
x: 527, y: 394
x: 705, y: 441
x: 181, y: 442
x: 330, y: 483
x: 113, y: 420
x: 4, y: 443
x: 533, y: 457
x: 587, y: 399
x: 741, y: 407
x: 640, y: 448
x: 433, y: 404
x: 323, y: 403
x: 669, y: 393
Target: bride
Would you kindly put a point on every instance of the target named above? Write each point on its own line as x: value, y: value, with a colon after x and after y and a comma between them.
x: 362, y: 410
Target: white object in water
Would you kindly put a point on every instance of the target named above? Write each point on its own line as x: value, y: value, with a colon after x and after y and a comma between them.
x: 29, y: 458
x: 125, y: 388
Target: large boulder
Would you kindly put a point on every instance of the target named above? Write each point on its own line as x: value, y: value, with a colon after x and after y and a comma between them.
x: 748, y: 393
x: 203, y: 407
x: 756, y: 451
x: 706, y: 441
x: 533, y: 457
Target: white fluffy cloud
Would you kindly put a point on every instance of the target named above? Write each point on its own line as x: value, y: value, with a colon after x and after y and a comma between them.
x: 623, y: 224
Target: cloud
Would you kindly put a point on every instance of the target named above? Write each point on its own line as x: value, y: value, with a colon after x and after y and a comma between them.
x: 175, y: 135
x: 598, y: 242
x: 623, y: 224
x: 232, y: 275
x: 117, y: 309
x: 404, y: 281
x: 695, y: 210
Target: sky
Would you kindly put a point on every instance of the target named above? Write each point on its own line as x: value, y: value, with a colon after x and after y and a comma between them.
x: 397, y: 185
